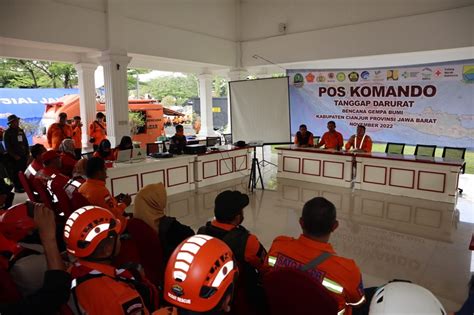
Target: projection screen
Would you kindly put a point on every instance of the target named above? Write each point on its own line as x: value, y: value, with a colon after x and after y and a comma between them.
x: 260, y: 110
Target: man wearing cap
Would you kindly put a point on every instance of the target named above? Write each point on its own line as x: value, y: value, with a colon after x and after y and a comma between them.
x: 59, y: 131
x: 50, y: 176
x: 17, y: 148
x: 248, y: 251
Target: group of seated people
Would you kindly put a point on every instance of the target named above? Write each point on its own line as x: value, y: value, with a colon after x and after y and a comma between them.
x: 334, y: 140
x: 202, y: 271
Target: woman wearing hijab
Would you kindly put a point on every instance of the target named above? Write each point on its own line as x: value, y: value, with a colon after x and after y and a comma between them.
x: 105, y: 151
x: 149, y: 206
x: 67, y: 156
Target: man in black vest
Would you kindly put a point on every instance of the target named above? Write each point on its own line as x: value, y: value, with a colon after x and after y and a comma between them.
x: 248, y: 251
x: 304, y: 138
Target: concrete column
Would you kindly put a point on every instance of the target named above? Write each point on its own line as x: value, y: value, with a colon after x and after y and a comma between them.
x: 205, y: 95
x: 116, y: 95
x: 85, y: 73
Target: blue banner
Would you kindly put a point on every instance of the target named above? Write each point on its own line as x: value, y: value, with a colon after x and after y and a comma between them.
x: 423, y: 104
x: 28, y: 104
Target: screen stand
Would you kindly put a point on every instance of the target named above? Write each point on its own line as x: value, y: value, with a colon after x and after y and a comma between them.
x: 253, y: 180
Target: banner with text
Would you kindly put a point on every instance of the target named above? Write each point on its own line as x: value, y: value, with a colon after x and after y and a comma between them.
x: 425, y: 104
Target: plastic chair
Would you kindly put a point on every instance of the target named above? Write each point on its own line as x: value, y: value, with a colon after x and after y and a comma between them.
x: 394, y: 148
x: 212, y: 141
x: 26, y: 186
x: 455, y: 154
x: 291, y: 291
x: 425, y: 150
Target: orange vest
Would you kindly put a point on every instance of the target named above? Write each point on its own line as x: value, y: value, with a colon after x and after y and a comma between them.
x: 77, y: 137
x: 98, y: 131
x: 360, y: 143
x: 57, y: 133
x: 339, y: 275
x: 332, y: 140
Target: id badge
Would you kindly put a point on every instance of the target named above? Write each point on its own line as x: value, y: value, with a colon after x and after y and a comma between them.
x: 20, y: 138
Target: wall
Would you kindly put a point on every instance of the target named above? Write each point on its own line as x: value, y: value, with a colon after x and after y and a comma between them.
x: 432, y: 31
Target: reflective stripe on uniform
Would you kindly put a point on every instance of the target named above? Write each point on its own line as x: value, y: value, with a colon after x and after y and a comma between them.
x: 332, y: 286
x: 362, y: 300
x: 341, y: 311
x: 31, y: 170
x: 272, y: 261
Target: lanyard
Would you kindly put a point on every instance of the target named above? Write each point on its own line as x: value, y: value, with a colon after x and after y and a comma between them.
x: 355, y: 142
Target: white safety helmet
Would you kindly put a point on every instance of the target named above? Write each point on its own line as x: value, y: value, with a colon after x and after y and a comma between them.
x: 404, y: 298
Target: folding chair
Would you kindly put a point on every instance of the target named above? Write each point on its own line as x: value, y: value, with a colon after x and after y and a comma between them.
x: 394, y: 148
x: 456, y: 154
x: 425, y: 150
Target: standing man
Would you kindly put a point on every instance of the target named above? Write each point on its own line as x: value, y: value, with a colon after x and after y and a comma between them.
x: 304, y: 138
x: 331, y: 139
x: 77, y: 136
x: 59, y: 131
x: 17, y: 148
x: 97, y: 130
x: 360, y: 141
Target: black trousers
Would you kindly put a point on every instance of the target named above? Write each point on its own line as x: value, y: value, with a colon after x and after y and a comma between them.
x: 16, y: 166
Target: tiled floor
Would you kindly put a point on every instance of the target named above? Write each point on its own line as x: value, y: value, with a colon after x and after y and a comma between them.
x: 390, y: 237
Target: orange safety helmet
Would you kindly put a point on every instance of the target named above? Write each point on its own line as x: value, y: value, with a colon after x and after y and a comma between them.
x: 199, y: 273
x: 15, y: 223
x: 87, y: 227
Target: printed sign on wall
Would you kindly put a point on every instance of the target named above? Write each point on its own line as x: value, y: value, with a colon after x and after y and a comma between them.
x: 426, y: 104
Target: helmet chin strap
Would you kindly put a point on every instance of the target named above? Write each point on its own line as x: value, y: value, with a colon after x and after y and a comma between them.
x: 109, y: 257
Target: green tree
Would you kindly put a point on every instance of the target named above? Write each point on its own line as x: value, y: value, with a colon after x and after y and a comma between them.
x: 34, y: 74
x: 132, y: 77
x: 219, y: 87
x: 182, y: 87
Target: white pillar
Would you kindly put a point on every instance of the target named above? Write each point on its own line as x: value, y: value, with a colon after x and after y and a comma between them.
x: 205, y: 95
x: 116, y: 95
x: 85, y: 73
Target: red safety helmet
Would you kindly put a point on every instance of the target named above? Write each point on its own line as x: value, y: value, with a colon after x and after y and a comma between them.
x: 15, y: 224
x: 87, y: 227
x: 199, y: 273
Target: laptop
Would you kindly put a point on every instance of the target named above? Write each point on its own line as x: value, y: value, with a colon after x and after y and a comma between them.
x: 123, y: 156
x: 138, y: 154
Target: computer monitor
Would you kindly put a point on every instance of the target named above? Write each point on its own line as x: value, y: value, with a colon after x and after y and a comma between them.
x: 138, y: 154
x: 123, y: 155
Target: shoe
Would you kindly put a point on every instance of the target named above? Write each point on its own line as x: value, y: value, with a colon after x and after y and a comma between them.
x: 19, y: 190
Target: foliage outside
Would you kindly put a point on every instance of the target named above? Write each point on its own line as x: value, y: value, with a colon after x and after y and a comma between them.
x: 135, y: 121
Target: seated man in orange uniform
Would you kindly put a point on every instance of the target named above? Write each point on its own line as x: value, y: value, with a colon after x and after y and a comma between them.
x: 331, y: 139
x: 97, y: 194
x: 59, y: 131
x: 360, y: 141
x: 92, y: 235
x: 304, y: 138
x: 339, y: 275
x: 52, y: 169
x: 37, y: 163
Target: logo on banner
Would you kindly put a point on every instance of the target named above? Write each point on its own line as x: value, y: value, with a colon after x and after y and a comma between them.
x: 365, y: 75
x: 310, y: 78
x: 468, y: 73
x: 321, y: 78
x: 450, y: 73
x: 410, y: 74
x: 426, y: 73
x: 392, y: 75
x: 340, y: 76
x: 378, y: 76
x: 353, y: 76
x: 331, y: 75
x: 438, y: 73
x: 298, y: 80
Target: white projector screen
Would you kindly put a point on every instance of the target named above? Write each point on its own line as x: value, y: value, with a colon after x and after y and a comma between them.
x: 260, y: 110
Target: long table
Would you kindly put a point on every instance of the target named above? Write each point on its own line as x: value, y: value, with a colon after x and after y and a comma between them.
x: 180, y: 173
x: 406, y: 175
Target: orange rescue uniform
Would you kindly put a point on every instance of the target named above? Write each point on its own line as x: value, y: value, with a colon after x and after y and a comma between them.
x: 68, y: 161
x: 77, y: 137
x: 363, y: 143
x: 57, y: 133
x: 252, y: 248
x: 332, y: 140
x: 97, y: 194
x: 339, y: 275
x: 98, y: 131
x: 32, y: 169
x: 106, y: 295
